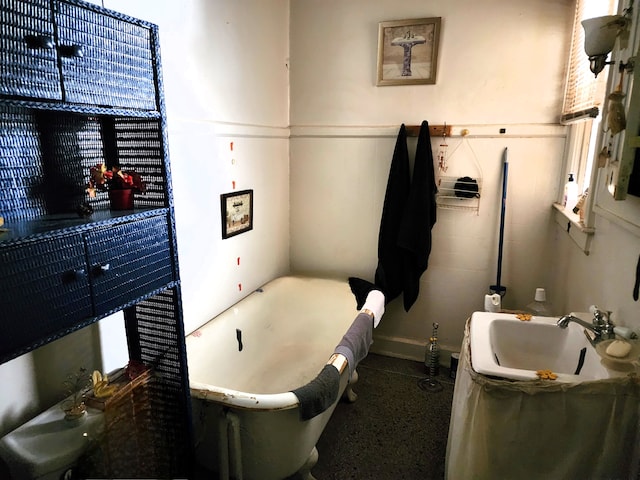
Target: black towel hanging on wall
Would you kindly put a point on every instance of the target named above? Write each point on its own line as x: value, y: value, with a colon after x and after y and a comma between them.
x: 414, y: 237
x: 389, y: 272
x: 408, y: 215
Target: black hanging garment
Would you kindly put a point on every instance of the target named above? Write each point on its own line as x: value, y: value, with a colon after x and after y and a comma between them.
x: 414, y: 236
x: 408, y: 215
x: 390, y: 271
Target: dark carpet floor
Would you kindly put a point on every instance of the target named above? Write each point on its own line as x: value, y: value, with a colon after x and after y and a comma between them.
x: 395, y: 430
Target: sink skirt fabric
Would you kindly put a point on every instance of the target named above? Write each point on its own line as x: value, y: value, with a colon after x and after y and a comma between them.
x: 542, y: 429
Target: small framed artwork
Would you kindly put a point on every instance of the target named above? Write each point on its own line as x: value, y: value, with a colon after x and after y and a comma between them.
x: 408, y: 51
x: 237, y: 212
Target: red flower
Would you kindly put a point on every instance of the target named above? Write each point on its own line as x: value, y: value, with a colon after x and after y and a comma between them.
x: 115, y: 179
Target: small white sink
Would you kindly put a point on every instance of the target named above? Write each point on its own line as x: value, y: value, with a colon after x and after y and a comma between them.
x: 504, y: 346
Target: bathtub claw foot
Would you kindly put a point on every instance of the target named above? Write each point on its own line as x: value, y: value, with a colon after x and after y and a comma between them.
x: 305, y: 471
x: 349, y: 395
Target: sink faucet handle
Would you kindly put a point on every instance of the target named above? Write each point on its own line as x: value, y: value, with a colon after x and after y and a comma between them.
x: 600, y: 317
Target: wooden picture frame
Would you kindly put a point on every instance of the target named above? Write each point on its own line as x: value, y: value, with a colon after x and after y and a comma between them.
x: 408, y: 51
x: 237, y: 212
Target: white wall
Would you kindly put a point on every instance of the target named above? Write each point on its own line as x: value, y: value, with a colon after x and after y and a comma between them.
x: 495, y: 62
x: 494, y: 70
x: 226, y: 80
x: 605, y: 277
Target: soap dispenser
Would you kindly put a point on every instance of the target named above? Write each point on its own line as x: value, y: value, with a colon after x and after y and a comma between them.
x: 570, y: 197
x: 540, y: 306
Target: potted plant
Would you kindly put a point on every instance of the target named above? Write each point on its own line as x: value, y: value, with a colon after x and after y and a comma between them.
x: 121, y: 185
x: 74, y: 406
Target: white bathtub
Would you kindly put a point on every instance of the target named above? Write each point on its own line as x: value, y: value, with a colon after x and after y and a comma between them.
x: 243, y: 365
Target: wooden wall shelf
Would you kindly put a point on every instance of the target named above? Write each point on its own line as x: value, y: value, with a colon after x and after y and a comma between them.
x: 434, y: 130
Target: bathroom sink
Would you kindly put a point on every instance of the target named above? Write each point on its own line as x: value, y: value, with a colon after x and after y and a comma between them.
x: 504, y: 346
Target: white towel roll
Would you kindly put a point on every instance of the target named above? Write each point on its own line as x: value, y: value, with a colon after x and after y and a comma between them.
x: 375, y: 303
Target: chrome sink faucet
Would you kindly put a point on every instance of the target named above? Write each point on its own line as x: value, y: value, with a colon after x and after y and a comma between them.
x: 601, y: 327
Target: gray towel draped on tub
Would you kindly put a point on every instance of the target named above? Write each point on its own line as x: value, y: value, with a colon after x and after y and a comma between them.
x: 320, y: 393
x: 356, y: 342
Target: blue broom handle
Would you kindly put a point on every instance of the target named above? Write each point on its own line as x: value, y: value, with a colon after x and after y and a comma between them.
x: 505, y: 174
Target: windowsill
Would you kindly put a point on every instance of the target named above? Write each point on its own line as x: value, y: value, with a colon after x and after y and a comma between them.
x: 575, y: 228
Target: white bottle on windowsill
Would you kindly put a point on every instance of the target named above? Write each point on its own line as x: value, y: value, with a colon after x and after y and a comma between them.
x: 570, y: 197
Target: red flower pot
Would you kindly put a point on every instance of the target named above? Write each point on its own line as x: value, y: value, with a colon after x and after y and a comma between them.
x: 121, y: 199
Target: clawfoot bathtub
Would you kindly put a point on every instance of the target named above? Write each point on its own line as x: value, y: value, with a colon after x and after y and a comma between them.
x: 243, y: 366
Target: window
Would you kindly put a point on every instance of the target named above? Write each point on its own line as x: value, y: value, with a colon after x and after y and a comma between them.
x: 584, y: 95
x: 584, y: 92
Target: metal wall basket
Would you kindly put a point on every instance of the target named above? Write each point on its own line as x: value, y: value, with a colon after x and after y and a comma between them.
x: 461, y: 188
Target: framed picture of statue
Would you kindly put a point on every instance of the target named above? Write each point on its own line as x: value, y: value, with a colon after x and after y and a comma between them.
x: 408, y: 51
x: 237, y: 212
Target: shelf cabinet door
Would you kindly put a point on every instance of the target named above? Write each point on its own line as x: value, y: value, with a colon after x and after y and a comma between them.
x: 28, y: 52
x: 45, y: 291
x: 105, y: 61
x: 128, y: 261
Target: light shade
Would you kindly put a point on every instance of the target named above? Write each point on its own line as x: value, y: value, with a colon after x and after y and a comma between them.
x: 600, y: 34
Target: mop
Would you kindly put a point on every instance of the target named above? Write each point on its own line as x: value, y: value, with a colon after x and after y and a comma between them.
x: 497, y: 288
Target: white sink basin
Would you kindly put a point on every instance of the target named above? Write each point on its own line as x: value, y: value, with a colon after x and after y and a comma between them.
x: 504, y: 346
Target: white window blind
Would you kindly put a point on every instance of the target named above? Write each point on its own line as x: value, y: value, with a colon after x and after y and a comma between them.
x: 584, y: 93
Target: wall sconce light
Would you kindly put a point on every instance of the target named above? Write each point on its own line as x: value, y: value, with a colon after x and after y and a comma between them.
x: 600, y: 35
